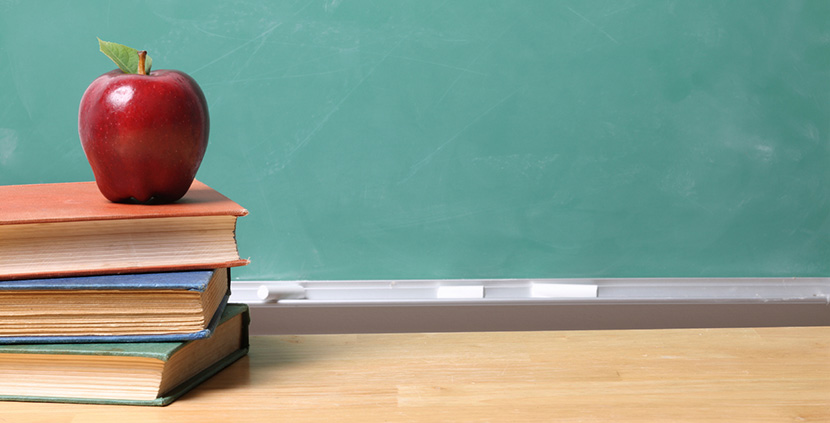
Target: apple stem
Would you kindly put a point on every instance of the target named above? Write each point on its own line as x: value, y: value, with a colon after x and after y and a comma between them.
x: 141, y: 57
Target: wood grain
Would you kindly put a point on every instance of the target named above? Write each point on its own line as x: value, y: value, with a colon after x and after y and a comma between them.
x: 711, y: 375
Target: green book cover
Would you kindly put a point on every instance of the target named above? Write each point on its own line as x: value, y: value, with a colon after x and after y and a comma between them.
x: 162, y: 351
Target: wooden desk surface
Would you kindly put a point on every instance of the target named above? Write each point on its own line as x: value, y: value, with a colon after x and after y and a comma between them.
x: 728, y: 375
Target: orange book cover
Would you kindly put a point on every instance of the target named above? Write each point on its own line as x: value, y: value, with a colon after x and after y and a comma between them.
x: 78, y: 201
x: 67, y: 229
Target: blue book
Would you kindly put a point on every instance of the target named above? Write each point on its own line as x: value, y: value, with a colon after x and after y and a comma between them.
x: 144, y: 307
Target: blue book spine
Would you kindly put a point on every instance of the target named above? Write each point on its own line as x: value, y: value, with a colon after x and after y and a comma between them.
x: 195, y: 280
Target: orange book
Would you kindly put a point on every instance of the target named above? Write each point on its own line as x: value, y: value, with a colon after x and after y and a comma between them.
x: 69, y: 229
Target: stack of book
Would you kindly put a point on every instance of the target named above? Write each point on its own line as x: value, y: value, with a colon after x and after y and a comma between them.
x: 115, y: 303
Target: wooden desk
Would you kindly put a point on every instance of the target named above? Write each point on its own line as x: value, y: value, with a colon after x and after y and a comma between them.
x: 728, y: 375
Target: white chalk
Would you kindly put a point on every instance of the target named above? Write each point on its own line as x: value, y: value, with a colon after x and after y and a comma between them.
x: 270, y: 292
x: 563, y: 290
x: 461, y: 291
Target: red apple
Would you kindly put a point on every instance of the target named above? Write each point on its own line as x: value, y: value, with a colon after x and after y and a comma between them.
x: 144, y: 134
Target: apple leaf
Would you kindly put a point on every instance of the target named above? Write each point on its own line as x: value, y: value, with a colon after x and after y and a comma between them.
x: 125, y: 57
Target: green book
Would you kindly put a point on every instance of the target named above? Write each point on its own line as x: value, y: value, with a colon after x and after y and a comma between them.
x: 142, y: 373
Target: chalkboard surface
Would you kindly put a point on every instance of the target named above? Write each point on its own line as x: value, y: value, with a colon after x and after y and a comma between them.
x: 470, y: 138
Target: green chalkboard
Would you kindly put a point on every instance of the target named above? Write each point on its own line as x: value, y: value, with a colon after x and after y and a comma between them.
x: 470, y: 138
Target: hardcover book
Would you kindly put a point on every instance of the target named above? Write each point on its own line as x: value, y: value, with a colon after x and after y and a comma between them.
x: 168, y: 306
x: 70, y: 229
x: 128, y: 374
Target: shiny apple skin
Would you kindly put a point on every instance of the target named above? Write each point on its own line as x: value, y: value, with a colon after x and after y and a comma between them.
x: 144, y: 135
